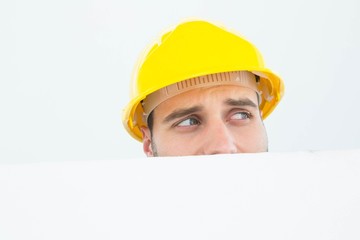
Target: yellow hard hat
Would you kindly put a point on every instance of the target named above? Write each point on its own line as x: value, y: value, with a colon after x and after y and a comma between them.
x: 193, y: 49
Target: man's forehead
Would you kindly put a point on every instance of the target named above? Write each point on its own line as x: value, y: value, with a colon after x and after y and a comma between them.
x: 222, y: 95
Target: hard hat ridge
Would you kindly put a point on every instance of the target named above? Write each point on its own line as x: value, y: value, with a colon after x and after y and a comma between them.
x: 235, y: 78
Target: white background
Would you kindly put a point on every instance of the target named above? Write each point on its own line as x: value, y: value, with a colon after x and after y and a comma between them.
x: 65, y: 68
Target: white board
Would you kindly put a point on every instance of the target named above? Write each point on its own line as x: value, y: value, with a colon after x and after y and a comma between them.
x: 303, y: 195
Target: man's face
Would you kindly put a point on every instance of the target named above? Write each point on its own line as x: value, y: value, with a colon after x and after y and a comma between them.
x: 204, y: 121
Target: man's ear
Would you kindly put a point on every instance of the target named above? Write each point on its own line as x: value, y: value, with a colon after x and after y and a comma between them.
x: 147, y: 141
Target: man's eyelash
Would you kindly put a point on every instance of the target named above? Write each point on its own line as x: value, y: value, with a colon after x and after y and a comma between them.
x: 186, y: 118
x: 248, y: 114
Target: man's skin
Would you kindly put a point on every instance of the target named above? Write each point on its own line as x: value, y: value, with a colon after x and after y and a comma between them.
x: 204, y: 121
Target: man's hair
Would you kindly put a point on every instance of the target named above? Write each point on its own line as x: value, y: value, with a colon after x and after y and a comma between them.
x: 150, y: 121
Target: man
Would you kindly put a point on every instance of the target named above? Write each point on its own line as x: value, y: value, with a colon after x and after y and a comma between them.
x: 201, y: 89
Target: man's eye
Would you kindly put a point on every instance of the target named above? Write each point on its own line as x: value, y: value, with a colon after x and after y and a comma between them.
x: 188, y: 122
x: 240, y: 116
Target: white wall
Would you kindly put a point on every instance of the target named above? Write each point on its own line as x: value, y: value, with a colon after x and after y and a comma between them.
x: 65, y: 68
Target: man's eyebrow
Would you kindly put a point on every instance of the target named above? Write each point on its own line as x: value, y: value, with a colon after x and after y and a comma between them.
x: 181, y: 112
x: 241, y: 102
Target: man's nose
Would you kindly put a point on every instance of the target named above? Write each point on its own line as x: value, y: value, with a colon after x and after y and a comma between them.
x: 219, y: 140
